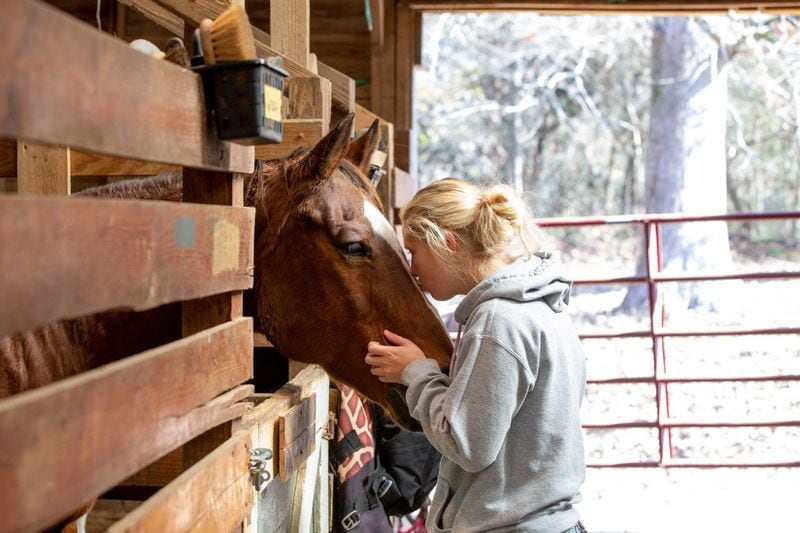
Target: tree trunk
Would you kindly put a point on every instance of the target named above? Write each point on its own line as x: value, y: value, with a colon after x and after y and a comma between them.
x: 685, y: 164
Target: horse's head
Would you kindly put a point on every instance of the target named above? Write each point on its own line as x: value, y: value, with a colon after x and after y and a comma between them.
x: 330, y: 273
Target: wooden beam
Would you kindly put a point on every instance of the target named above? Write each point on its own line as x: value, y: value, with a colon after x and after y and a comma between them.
x: 404, y: 67
x: 90, y: 431
x: 64, y: 249
x: 43, y: 169
x: 108, y: 98
x: 87, y: 164
x: 289, y: 22
x: 343, y: 88
x: 382, y: 68
x: 158, y: 14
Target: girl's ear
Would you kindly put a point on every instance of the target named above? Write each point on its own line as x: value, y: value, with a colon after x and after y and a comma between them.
x: 452, y: 241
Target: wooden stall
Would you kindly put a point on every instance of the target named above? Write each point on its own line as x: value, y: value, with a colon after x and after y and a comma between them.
x: 208, y: 453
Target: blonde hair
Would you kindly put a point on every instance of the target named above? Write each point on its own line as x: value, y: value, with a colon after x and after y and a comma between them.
x: 489, y: 223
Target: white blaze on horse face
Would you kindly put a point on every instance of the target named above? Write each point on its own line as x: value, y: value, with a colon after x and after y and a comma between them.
x: 382, y: 229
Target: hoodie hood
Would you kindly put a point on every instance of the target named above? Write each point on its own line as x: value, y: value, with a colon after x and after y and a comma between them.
x: 539, y: 278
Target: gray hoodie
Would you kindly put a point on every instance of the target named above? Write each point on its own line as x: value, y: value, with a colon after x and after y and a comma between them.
x: 507, y: 419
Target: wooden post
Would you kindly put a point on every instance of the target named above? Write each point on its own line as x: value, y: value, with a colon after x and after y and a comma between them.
x: 289, y: 22
x: 43, y: 169
x: 220, y: 188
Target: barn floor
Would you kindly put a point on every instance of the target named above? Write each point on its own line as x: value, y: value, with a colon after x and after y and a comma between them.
x: 652, y: 500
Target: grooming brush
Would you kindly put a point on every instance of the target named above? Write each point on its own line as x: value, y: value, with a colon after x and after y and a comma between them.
x: 228, y: 37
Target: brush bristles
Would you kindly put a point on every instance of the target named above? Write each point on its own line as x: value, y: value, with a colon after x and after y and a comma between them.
x: 232, y: 36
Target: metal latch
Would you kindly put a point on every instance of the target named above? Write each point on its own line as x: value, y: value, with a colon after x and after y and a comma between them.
x: 259, y: 475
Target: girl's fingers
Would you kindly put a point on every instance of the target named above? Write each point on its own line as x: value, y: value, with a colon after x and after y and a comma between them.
x: 394, y: 338
x: 374, y: 348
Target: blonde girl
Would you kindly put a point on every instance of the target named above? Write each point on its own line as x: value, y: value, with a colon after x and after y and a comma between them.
x: 506, y: 418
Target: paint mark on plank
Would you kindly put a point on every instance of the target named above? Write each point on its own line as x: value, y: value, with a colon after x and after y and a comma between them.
x: 185, y: 232
x: 226, y: 247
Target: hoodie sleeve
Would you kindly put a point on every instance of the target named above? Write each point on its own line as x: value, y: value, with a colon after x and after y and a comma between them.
x: 467, y: 419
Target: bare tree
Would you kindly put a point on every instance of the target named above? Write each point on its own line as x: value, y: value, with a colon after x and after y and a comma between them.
x: 686, y: 165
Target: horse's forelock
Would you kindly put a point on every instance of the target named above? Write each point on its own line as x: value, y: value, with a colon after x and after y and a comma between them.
x: 361, y: 181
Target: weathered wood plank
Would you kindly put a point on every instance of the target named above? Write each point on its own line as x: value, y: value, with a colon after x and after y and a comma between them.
x: 296, y: 432
x: 310, y: 485
x: 109, y: 99
x: 65, y: 248
x: 43, y: 169
x: 90, y: 431
x: 213, y: 495
x: 86, y: 164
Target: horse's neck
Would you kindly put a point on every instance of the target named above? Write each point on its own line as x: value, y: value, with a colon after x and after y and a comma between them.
x: 37, y: 357
x: 47, y: 354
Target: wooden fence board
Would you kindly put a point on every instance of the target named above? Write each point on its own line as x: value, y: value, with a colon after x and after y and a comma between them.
x: 296, y: 432
x: 77, y: 438
x: 108, y: 98
x: 63, y: 252
x: 86, y: 164
x: 213, y: 495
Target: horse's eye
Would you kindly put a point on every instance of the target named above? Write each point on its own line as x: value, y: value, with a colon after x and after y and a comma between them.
x: 355, y: 249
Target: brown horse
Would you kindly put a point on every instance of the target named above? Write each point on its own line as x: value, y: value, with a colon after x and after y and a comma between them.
x: 330, y: 275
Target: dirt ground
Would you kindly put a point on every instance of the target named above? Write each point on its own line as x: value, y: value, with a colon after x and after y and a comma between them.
x: 687, y: 500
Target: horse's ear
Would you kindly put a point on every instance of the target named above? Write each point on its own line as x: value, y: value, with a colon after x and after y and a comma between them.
x: 325, y: 157
x: 360, y: 150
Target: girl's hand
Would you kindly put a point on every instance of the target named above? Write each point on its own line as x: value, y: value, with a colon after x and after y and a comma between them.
x: 387, y: 361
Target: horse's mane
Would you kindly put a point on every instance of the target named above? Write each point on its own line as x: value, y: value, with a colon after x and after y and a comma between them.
x: 163, y: 187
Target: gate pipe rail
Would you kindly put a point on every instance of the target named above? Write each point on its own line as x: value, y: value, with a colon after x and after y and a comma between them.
x: 657, y: 332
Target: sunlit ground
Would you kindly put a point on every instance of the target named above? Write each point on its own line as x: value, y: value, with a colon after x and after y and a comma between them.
x: 653, y: 500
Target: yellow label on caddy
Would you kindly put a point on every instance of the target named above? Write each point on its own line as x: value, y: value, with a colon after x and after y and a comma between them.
x: 273, y: 101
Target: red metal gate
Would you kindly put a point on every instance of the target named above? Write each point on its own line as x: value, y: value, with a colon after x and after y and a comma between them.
x: 663, y: 376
